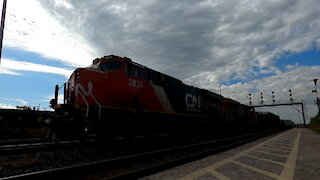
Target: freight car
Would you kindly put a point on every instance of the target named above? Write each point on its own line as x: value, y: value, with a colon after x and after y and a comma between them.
x: 22, y: 117
x: 116, y: 96
x: 22, y: 122
x: 286, y: 124
x: 268, y: 120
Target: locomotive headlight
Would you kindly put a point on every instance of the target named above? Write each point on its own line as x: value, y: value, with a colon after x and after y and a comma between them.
x: 77, y: 75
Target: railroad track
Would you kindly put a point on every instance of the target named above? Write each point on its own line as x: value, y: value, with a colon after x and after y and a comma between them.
x: 34, y: 146
x: 22, y: 141
x: 139, y: 165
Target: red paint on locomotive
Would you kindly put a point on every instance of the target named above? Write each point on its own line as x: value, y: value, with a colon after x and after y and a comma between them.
x: 107, y: 82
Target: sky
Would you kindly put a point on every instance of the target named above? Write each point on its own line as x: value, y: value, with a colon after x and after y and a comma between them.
x: 242, y: 46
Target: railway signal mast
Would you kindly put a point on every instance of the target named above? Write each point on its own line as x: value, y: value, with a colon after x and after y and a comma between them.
x: 273, y: 99
x: 291, y: 102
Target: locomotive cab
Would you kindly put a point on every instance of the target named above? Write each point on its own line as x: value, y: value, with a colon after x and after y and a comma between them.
x: 83, y: 93
x: 105, y: 64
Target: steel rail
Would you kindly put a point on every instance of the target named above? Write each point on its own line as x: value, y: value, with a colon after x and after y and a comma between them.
x: 22, y: 141
x: 26, y: 147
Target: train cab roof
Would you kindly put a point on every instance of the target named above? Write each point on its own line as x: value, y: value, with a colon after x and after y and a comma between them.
x: 106, y: 63
x: 111, y: 59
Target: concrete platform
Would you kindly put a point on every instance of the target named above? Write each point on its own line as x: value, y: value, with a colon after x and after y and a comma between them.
x: 294, y: 154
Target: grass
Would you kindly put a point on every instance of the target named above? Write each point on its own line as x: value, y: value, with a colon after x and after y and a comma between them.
x: 315, y: 123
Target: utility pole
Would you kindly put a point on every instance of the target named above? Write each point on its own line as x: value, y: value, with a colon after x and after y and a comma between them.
x: 316, y: 91
x: 4, y: 6
x: 304, y: 118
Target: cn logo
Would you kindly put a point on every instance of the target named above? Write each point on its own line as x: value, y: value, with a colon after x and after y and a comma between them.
x: 193, y: 103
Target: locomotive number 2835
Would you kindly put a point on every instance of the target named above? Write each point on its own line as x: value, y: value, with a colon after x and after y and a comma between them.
x: 135, y: 83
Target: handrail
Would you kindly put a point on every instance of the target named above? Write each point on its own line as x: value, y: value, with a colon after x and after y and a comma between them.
x: 98, y: 105
x: 84, y: 99
x: 80, y: 88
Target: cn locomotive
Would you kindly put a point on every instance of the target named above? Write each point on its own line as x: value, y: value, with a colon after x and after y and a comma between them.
x: 116, y: 96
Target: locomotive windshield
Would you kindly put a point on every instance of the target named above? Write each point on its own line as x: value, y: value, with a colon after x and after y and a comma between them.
x: 110, y: 66
x: 105, y: 64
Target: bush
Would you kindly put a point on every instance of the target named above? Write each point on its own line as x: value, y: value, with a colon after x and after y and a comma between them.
x: 315, y: 123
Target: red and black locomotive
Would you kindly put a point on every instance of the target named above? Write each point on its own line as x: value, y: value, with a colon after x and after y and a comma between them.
x: 116, y: 96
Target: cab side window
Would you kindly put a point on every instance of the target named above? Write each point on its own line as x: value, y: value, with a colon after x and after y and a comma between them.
x: 136, y: 71
x: 110, y: 66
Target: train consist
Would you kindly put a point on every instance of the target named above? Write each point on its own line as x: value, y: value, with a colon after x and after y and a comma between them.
x: 116, y: 96
x: 22, y: 122
x: 23, y: 117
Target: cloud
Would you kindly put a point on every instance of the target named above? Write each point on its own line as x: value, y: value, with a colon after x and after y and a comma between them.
x: 9, y: 66
x: 20, y: 101
x: 63, y: 4
x: 7, y: 106
x: 7, y: 71
x: 297, y: 78
x: 29, y: 27
x: 221, y: 40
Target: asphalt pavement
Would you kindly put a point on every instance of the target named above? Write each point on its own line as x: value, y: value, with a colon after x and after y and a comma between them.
x: 293, y: 154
